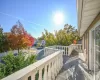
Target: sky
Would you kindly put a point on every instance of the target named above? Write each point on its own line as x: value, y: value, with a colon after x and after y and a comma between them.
x: 37, y: 15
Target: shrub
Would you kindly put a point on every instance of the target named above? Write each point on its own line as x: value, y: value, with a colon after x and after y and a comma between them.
x: 11, y: 63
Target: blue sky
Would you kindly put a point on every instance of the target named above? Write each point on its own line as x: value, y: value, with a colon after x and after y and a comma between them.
x: 36, y: 15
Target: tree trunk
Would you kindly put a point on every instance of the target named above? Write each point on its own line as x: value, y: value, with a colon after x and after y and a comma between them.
x: 18, y: 50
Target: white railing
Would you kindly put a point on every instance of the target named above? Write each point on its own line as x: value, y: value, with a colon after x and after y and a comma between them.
x: 47, y: 68
x: 75, y: 47
x: 67, y: 50
x: 64, y: 48
x: 48, y: 51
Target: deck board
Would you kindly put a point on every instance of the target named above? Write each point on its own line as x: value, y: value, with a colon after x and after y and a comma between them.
x: 70, y: 69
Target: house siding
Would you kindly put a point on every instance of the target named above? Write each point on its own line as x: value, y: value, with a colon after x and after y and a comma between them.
x: 85, y: 38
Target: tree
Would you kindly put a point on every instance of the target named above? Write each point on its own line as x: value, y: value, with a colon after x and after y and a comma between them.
x: 3, y: 41
x: 64, y: 36
x: 29, y: 40
x: 19, y: 38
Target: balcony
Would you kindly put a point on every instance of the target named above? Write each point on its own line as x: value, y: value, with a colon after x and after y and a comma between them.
x: 57, y: 64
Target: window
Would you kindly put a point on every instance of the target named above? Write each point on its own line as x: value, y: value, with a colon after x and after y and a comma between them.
x: 97, y: 45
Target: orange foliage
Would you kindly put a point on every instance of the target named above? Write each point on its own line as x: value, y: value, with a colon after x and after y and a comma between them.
x: 74, y: 42
x: 19, y: 38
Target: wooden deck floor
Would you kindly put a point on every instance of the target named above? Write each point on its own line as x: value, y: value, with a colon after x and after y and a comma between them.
x: 70, y: 69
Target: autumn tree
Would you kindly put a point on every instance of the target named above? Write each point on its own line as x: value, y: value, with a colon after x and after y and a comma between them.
x: 19, y: 38
x: 28, y: 39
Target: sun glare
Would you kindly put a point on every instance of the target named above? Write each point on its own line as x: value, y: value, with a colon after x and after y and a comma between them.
x: 58, y: 18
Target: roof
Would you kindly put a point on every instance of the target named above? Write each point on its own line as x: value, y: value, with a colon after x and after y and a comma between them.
x: 87, y: 11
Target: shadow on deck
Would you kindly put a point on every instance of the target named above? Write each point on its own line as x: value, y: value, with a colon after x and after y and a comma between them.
x: 70, y: 69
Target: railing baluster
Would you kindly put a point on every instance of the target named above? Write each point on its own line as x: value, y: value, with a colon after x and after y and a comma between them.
x: 45, y: 73
x: 60, y: 60
x: 67, y: 50
x: 52, y: 69
x: 64, y: 50
x: 59, y: 63
x: 49, y: 72
x: 40, y: 74
x: 56, y: 66
x: 33, y: 76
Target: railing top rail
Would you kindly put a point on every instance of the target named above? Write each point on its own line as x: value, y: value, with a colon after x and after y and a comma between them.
x: 76, y: 44
x: 32, y: 67
x: 62, y: 45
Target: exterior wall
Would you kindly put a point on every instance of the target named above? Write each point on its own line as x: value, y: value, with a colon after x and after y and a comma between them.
x: 85, y: 40
x: 85, y: 43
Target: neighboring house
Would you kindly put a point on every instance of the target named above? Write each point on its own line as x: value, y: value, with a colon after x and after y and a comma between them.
x: 7, y: 33
x: 89, y: 30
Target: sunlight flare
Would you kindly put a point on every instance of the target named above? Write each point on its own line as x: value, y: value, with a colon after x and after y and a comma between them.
x: 58, y: 18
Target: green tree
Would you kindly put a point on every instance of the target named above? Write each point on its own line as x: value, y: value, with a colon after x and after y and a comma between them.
x: 11, y: 63
x: 3, y: 41
x: 64, y: 36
